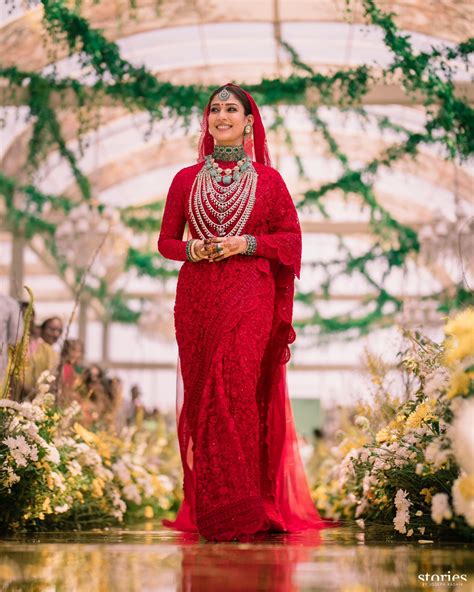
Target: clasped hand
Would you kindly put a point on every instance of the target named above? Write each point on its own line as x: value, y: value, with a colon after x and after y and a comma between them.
x: 230, y: 245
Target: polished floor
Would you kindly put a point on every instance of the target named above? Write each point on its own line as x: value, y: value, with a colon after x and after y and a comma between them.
x: 150, y: 558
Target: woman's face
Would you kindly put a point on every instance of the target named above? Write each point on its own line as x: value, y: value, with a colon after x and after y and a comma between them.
x: 52, y: 332
x: 94, y: 373
x: 227, y: 121
x: 76, y: 354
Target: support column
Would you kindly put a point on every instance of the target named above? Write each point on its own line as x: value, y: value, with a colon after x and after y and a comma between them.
x: 17, y: 268
x: 105, y: 342
x: 82, y: 320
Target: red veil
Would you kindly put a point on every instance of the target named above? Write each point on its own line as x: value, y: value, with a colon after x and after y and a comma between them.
x: 284, y: 487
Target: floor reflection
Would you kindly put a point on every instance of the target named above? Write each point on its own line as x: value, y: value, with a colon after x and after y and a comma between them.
x: 150, y: 558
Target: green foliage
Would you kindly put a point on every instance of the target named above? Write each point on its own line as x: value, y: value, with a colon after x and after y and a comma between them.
x: 448, y: 124
x: 150, y: 264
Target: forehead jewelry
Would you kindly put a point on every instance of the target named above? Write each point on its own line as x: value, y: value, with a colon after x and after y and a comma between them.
x: 224, y: 94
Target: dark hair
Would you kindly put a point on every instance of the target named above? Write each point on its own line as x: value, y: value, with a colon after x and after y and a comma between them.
x: 45, y: 323
x: 237, y: 92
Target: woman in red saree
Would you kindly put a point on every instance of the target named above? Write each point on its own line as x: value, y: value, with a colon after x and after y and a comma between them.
x: 243, y: 474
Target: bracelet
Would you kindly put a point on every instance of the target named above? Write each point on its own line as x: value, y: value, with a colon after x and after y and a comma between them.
x: 251, y: 244
x: 189, y: 254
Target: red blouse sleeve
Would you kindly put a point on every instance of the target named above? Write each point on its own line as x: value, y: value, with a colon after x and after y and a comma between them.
x: 170, y: 243
x: 284, y: 242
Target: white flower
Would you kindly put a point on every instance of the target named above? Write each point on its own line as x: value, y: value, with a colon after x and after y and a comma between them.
x: 419, y: 468
x: 74, y: 468
x: 25, y: 409
x: 461, y: 433
x: 399, y: 522
x: 379, y: 464
x: 351, y: 498
x: 435, y: 454
x: 70, y: 413
x: 87, y: 455
x: 346, y: 468
x: 43, y: 376
x: 20, y: 450
x: 122, y: 472
x: 44, y: 397
x: 166, y: 482
x: 360, y: 523
x: 440, y: 509
x: 61, y: 509
x: 402, y: 517
x: 361, y: 422
x: 132, y: 494
x: 422, y: 529
x: 52, y: 454
x: 58, y: 480
x: 11, y: 478
x: 43, y: 389
x: 421, y: 430
x: 367, y: 483
x: 436, y: 382
x: 361, y: 508
x: 118, y: 502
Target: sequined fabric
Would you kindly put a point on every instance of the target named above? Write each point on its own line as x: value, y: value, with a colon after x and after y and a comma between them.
x: 242, y: 470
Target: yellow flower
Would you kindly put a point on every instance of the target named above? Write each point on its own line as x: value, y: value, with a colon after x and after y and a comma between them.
x: 421, y: 413
x: 148, y: 512
x: 428, y: 493
x: 460, y: 341
x: 97, y: 485
x: 459, y: 384
x: 86, y: 435
x: 47, y: 506
x: 319, y: 495
x: 352, y: 443
x: 466, y: 486
x: 382, y: 435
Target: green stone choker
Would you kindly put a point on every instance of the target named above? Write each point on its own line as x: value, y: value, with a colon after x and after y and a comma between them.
x: 229, y: 153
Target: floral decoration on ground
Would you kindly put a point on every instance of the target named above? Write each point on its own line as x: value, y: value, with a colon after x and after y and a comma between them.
x: 410, y: 462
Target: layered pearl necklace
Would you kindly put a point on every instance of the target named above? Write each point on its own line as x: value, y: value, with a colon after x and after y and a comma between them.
x: 223, y: 210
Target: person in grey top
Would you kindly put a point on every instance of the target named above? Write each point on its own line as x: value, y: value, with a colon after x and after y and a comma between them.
x: 11, y: 328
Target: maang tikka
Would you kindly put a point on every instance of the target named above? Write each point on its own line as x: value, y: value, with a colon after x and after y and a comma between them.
x: 224, y: 94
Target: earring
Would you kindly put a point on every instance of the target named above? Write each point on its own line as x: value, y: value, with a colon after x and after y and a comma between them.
x: 248, y: 141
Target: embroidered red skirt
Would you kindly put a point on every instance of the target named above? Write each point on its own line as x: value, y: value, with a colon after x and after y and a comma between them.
x: 243, y: 474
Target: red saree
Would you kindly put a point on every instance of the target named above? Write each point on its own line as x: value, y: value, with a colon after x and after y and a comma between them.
x: 243, y: 474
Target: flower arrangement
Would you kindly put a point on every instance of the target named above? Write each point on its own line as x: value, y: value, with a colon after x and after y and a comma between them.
x: 411, y: 463
x: 55, y: 473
